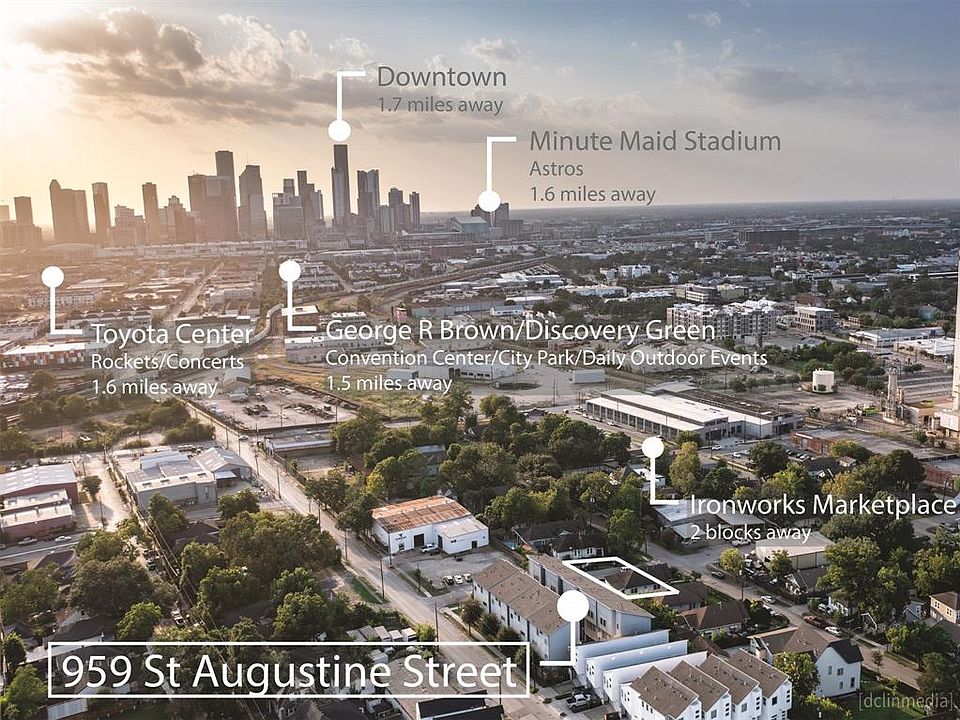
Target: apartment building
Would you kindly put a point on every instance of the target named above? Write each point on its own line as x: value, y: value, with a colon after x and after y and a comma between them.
x: 609, y: 616
x: 524, y: 605
x: 735, y: 321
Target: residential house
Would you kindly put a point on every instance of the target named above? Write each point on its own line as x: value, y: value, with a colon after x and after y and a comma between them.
x: 838, y: 660
x: 944, y: 606
x: 730, y: 617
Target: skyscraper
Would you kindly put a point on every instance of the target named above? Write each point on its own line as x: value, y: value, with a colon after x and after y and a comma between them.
x: 288, y: 221
x: 414, y: 211
x: 151, y: 212
x: 340, y: 182
x: 224, y: 161
x: 253, y: 216
x: 212, y: 203
x: 70, y: 221
x: 130, y: 229
x: 312, y: 205
x: 23, y: 207
x: 101, y: 212
x: 400, y: 211
x: 368, y: 200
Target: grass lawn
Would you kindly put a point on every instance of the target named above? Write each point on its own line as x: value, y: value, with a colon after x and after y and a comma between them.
x: 880, y: 695
x: 147, y: 712
x: 364, y: 592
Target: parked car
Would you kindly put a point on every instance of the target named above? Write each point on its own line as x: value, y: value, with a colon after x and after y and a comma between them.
x: 815, y: 621
x: 577, y: 698
x: 834, y: 630
x: 27, y: 541
x: 429, y: 548
x: 468, y: 577
x: 769, y: 599
x: 458, y: 579
x: 448, y: 579
x: 63, y: 538
x: 718, y: 574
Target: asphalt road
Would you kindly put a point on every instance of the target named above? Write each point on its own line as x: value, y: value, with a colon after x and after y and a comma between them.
x: 366, y: 564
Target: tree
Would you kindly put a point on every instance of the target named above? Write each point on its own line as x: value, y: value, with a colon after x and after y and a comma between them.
x: 573, y: 443
x: 303, y: 616
x: 14, y: 652
x: 329, y: 491
x: 110, y: 588
x: 685, y: 470
x: 426, y: 633
x: 294, y: 581
x: 801, y: 670
x: 167, y: 519
x: 768, y: 458
x: 852, y: 567
x: 268, y: 543
x: 623, y: 531
x: 471, y: 610
x: 534, y: 466
x: 104, y: 545
x: 731, y: 561
x: 33, y: 592
x: 24, y: 696
x: 73, y: 407
x: 91, y: 485
x: 596, y: 491
x: 243, y: 501
x: 42, y: 382
x: 850, y: 448
x: 516, y: 506
x: 936, y: 570
x: 196, y: 560
x: 617, y: 446
x: 685, y: 436
x: 780, y: 564
x: 720, y: 483
x: 792, y: 481
x: 940, y: 676
x: 474, y: 470
x: 226, y: 588
x: 354, y: 437
x: 358, y: 514
x: 138, y: 622
x: 489, y: 624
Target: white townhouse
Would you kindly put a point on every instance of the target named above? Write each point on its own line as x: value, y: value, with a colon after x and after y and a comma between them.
x: 838, y: 660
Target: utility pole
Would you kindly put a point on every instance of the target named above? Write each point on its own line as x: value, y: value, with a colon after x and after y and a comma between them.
x: 383, y: 587
x: 436, y: 620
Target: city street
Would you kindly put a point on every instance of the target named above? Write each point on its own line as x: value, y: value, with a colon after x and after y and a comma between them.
x: 366, y: 564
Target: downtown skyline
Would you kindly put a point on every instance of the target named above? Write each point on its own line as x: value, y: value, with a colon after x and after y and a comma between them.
x: 871, y: 95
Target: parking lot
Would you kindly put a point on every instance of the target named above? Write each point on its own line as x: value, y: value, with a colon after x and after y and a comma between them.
x: 278, y: 406
x: 439, y: 566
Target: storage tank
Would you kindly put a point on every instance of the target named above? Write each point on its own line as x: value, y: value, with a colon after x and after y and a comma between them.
x: 589, y: 376
x: 824, y: 381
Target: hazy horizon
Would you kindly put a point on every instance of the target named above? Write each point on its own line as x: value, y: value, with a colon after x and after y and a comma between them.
x: 865, y: 98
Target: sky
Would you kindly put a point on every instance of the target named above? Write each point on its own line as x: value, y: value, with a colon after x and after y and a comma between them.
x: 864, y: 95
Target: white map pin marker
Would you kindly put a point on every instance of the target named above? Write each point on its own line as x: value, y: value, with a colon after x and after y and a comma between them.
x: 290, y: 271
x: 653, y: 448
x: 52, y: 276
x: 572, y: 607
x: 489, y: 200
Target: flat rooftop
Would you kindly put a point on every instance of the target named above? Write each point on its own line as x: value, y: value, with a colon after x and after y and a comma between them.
x: 36, y: 476
x: 417, y: 513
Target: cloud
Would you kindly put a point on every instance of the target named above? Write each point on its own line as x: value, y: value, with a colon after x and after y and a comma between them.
x: 758, y: 86
x: 496, y: 52
x: 565, y: 71
x: 161, y: 71
x: 437, y: 63
x: 351, y: 47
x: 298, y: 41
x: 710, y: 19
x: 728, y: 51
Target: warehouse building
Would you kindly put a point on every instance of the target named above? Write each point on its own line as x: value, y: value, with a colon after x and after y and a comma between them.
x: 434, y: 520
x: 182, y: 480
x: 39, y: 478
x: 804, y: 554
x: 40, y: 515
x: 712, y: 418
